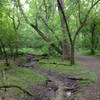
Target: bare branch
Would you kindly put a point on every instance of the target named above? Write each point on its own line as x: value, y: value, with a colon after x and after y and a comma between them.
x: 43, y: 20
x: 32, y: 25
x: 26, y: 19
x: 19, y: 87
x: 18, y: 20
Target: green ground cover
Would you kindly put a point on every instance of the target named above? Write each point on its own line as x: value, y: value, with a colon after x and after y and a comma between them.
x: 19, y: 76
x: 87, y: 52
x: 76, y: 70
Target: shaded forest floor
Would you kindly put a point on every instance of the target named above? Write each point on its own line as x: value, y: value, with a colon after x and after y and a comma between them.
x: 59, y: 89
x: 58, y: 77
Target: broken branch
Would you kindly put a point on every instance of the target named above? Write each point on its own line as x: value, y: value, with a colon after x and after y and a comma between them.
x: 16, y: 86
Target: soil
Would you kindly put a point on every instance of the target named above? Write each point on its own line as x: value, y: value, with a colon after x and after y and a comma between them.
x: 60, y: 82
x: 55, y: 89
x: 93, y: 91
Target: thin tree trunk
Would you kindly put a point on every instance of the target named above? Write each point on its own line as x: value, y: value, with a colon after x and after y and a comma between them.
x: 1, y: 52
x: 93, y: 25
x: 4, y: 52
x: 92, y: 44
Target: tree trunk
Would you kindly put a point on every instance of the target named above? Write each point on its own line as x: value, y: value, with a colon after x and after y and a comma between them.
x: 4, y: 52
x: 66, y: 50
x: 1, y: 52
x: 56, y: 48
x: 93, y: 38
x: 65, y: 44
x: 72, y: 58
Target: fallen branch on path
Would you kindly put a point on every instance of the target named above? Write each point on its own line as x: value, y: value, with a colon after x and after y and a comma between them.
x: 16, y: 86
x: 55, y: 63
x: 75, y: 78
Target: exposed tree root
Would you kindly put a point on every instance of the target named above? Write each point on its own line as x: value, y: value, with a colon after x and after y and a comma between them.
x: 19, y: 87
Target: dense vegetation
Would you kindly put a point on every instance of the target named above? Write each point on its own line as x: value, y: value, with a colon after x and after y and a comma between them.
x: 56, y: 28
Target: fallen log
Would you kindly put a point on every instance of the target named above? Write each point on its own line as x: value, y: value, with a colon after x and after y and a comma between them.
x: 75, y: 78
x: 55, y: 63
x: 19, y: 87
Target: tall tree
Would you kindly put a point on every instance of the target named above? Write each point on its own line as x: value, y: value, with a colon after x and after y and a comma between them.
x: 65, y: 44
x: 73, y: 40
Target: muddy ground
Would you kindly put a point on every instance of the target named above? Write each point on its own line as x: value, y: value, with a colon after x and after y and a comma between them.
x: 56, y: 87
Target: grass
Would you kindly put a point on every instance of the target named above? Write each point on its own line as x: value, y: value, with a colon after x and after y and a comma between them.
x: 87, y: 52
x: 20, y: 76
x: 77, y: 70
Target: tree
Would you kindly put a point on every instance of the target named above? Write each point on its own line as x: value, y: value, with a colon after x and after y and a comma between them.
x: 82, y: 23
x: 89, y: 36
x: 14, y: 16
x: 36, y: 28
x: 71, y: 16
x: 65, y: 44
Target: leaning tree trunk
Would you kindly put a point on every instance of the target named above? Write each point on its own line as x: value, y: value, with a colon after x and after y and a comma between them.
x: 40, y: 33
x: 65, y: 44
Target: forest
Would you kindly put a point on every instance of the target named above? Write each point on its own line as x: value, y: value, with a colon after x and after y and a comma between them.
x: 49, y: 49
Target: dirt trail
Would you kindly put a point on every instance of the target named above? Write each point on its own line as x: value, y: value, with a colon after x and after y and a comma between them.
x: 62, y: 82
x: 60, y: 91
x: 60, y: 94
x: 93, y: 91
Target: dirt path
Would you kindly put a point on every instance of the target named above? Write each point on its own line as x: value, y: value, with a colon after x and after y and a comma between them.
x: 60, y: 94
x: 93, y: 92
x: 60, y: 91
x: 61, y: 81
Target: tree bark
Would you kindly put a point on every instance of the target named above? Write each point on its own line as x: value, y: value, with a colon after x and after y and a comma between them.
x: 72, y: 41
x: 1, y: 52
x: 4, y: 53
x: 72, y: 57
x: 65, y: 44
x: 93, y: 25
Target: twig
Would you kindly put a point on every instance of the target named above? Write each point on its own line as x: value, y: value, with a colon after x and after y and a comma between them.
x: 16, y: 86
